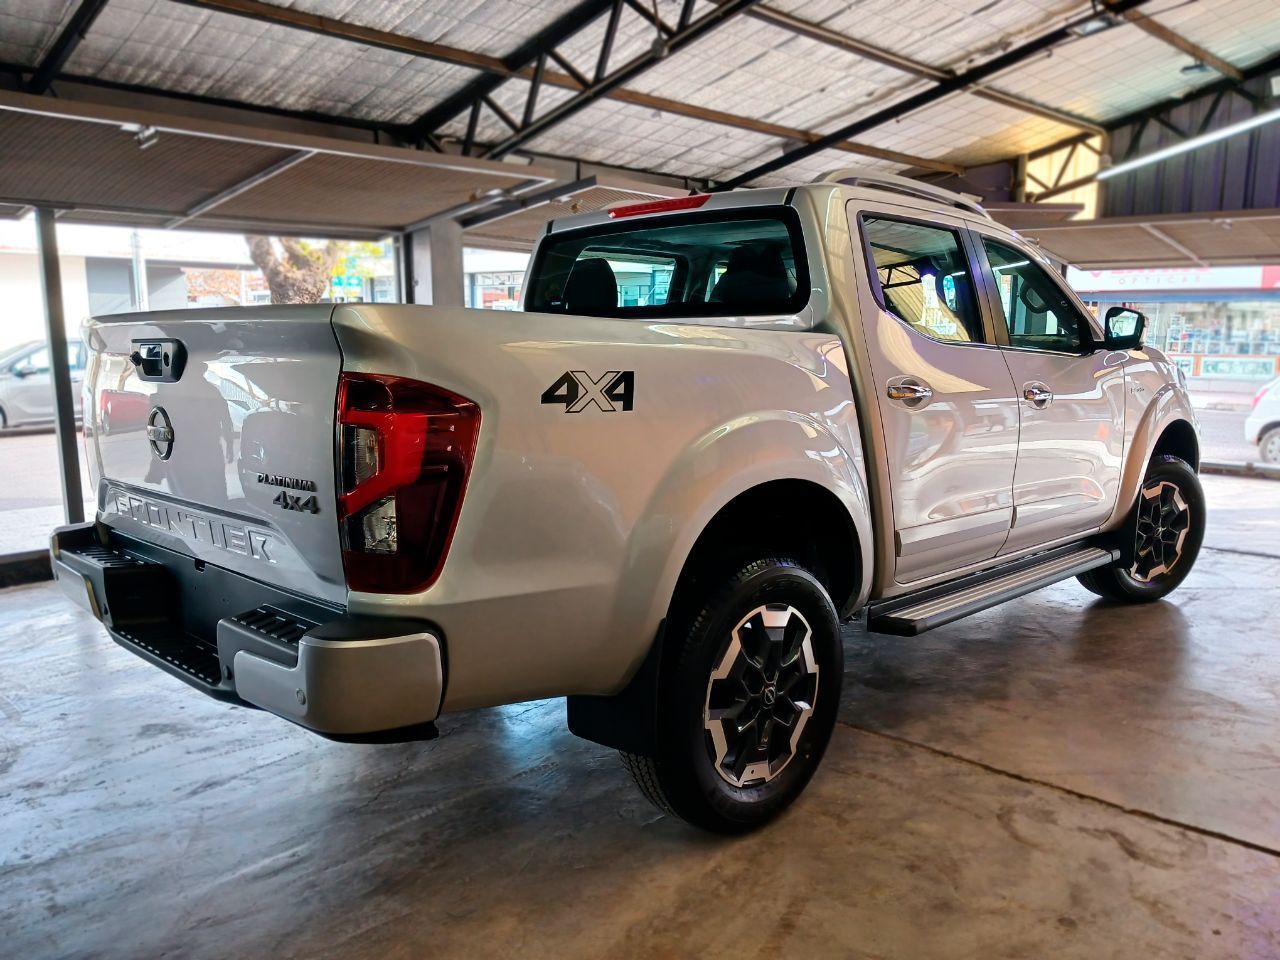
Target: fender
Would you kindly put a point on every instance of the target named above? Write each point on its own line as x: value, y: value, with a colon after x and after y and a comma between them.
x: 1167, y: 406
x: 743, y: 453
x: 747, y: 452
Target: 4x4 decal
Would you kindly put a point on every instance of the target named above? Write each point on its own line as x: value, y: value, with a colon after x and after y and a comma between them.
x: 576, y: 390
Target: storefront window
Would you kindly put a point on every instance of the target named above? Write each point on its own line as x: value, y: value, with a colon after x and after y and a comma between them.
x: 1220, y: 325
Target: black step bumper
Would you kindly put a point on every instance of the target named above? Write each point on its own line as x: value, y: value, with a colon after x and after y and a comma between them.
x: 237, y: 639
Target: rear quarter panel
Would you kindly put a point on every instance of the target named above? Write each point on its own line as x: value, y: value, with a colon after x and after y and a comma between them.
x: 575, y: 526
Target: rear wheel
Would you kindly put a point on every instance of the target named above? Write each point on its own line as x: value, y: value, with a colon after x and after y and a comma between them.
x: 1167, y: 529
x: 747, y: 700
x: 1269, y: 446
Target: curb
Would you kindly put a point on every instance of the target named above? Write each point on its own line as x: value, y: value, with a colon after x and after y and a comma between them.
x: 1256, y: 471
x: 1223, y: 407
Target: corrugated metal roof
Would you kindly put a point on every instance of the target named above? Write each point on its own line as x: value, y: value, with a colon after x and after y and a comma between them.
x: 747, y: 67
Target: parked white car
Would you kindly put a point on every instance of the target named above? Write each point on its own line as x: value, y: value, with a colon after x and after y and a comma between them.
x: 26, y: 388
x: 657, y: 498
x: 1262, y: 426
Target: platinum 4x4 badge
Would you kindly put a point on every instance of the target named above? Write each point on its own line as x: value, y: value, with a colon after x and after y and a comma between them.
x: 576, y: 390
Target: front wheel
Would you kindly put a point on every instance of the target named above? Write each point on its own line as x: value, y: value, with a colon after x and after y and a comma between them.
x: 1269, y: 446
x: 1166, y: 530
x: 747, y: 700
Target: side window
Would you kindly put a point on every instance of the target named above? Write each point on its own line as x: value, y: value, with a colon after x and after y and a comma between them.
x: 923, y: 279
x: 35, y: 362
x: 1038, y: 313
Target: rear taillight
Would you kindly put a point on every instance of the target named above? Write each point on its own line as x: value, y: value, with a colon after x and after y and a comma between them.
x: 1257, y: 397
x: 404, y: 452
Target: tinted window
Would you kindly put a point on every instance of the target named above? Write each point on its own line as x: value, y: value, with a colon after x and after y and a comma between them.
x: 1039, y: 314
x: 725, y: 264
x: 924, y: 279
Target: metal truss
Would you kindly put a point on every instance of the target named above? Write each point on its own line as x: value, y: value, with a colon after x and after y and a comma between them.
x: 1160, y: 114
x: 944, y: 88
x: 532, y: 59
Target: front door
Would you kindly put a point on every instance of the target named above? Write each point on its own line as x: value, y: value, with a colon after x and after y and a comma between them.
x: 945, y: 398
x: 1071, y: 399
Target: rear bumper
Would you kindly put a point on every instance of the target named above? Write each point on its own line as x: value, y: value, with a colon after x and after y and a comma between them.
x: 237, y: 639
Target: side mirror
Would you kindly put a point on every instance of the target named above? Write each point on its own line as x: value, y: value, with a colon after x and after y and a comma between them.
x: 23, y: 372
x: 1124, y: 329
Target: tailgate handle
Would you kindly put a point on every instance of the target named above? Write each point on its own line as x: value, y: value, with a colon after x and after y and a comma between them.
x: 159, y: 361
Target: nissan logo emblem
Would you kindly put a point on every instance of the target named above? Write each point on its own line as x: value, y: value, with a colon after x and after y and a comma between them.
x: 160, y: 433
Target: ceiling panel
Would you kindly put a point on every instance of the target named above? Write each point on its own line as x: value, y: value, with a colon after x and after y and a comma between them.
x: 171, y: 46
x: 28, y: 28
x: 493, y: 27
x: 759, y: 70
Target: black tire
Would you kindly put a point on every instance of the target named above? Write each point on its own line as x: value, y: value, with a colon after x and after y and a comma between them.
x: 1269, y: 446
x: 685, y: 777
x: 1148, y: 572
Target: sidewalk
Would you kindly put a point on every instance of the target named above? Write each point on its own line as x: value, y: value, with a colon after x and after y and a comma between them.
x: 1218, y: 400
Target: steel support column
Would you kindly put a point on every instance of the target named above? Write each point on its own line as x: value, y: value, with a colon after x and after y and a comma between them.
x: 60, y: 373
x: 436, y: 253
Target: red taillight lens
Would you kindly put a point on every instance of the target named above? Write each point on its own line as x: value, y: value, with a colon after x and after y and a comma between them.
x: 405, y: 450
x: 659, y: 206
x: 1257, y: 397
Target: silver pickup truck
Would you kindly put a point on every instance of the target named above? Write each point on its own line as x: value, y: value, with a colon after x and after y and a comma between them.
x: 720, y: 426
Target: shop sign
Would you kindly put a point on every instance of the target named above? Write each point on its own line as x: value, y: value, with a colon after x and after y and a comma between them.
x: 1175, y: 278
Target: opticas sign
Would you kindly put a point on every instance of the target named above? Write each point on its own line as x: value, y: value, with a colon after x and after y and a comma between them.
x: 1175, y: 278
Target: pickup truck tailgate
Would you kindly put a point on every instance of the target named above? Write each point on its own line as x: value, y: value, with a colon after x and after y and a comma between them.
x: 215, y: 437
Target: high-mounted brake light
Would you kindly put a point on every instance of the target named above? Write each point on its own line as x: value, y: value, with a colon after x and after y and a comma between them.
x: 660, y: 206
x: 405, y: 450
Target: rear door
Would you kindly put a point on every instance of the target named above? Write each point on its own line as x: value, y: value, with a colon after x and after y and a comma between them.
x: 945, y: 397
x: 228, y: 456
x: 1071, y: 398
x: 31, y: 392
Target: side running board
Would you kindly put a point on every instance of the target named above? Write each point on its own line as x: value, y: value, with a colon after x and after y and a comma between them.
x: 914, y: 613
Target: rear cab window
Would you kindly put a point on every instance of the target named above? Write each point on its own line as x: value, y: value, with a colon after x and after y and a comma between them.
x: 738, y: 262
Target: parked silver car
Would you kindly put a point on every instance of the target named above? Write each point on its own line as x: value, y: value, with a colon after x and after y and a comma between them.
x: 26, y: 388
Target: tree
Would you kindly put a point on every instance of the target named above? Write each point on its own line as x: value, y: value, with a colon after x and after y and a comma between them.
x: 296, y: 271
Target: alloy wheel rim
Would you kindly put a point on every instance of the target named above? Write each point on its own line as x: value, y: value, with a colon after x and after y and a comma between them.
x: 761, y: 694
x: 1164, y: 519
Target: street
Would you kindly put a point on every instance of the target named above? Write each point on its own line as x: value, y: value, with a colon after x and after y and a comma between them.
x: 1222, y: 436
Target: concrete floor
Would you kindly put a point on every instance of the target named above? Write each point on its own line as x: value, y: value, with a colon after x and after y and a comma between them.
x: 1055, y: 778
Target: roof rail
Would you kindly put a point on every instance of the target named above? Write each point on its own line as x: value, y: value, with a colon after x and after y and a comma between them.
x: 856, y: 177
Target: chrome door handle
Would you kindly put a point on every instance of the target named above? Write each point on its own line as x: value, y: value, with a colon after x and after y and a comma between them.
x: 909, y: 391
x: 1037, y: 394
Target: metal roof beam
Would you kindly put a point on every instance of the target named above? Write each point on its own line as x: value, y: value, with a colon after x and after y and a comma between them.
x: 527, y: 54
x: 974, y: 75
x: 520, y: 204
x: 868, y: 51
x: 1176, y: 40
x: 64, y: 45
x: 1169, y: 241
x: 673, y: 44
x: 1155, y: 113
x: 281, y: 16
x: 342, y: 30
x: 248, y: 183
